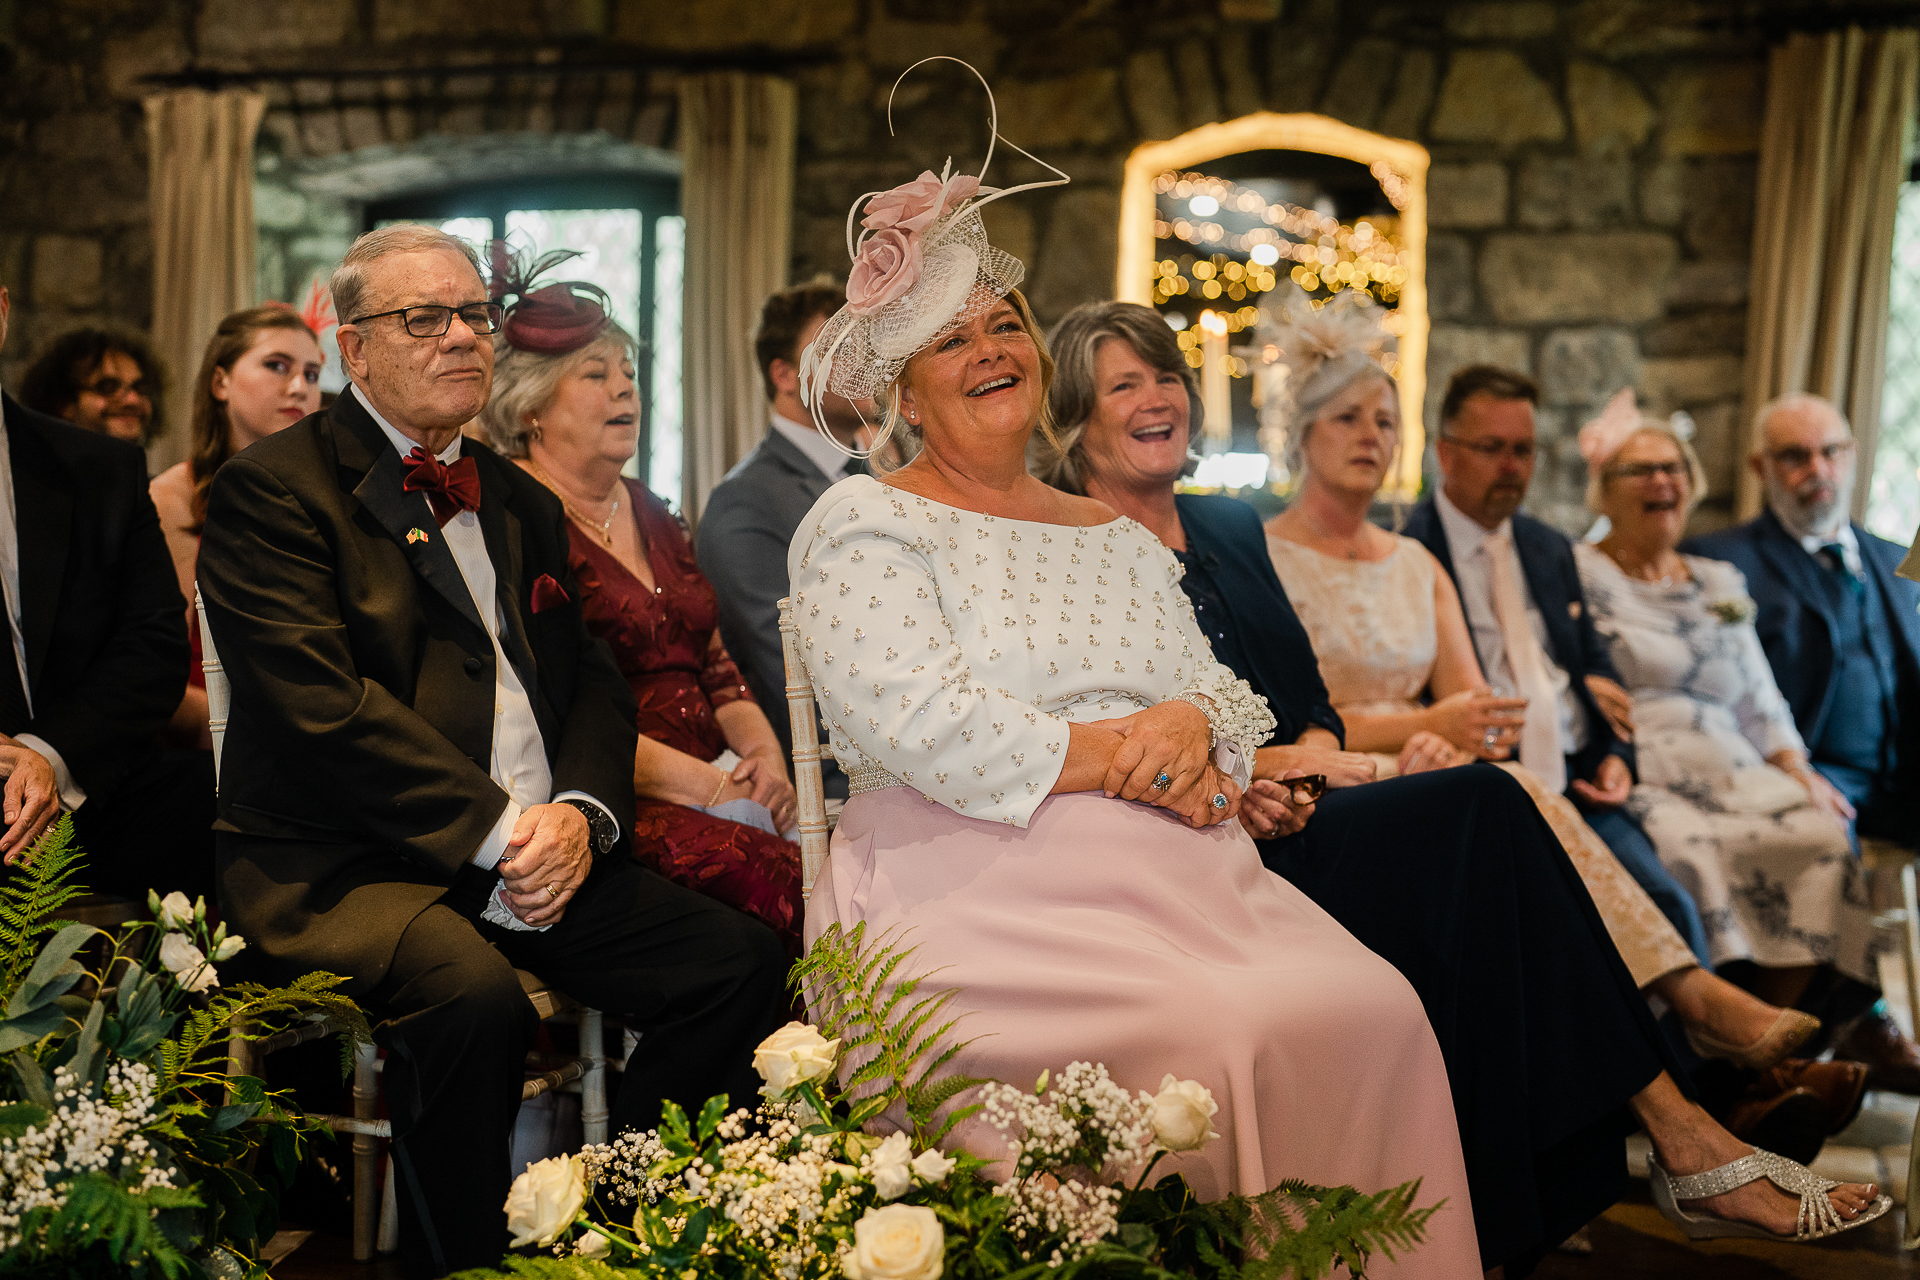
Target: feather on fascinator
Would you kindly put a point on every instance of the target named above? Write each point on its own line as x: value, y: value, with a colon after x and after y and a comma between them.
x: 1601, y: 438
x: 921, y: 264
x: 316, y: 311
x: 547, y: 320
x: 1320, y: 349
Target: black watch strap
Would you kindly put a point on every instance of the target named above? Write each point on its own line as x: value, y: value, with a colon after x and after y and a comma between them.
x: 600, y: 827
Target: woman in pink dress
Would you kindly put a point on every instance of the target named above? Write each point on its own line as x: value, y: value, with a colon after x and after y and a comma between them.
x: 1028, y: 716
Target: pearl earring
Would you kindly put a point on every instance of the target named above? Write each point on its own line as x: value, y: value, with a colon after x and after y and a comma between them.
x: 534, y: 434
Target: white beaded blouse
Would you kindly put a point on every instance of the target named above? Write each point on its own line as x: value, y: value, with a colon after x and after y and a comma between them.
x: 951, y: 649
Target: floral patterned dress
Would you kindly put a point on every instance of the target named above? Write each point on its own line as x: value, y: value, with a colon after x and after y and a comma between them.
x: 667, y: 645
x: 1774, y: 877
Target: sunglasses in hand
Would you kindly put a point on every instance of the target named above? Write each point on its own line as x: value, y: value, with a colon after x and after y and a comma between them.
x: 1305, y: 790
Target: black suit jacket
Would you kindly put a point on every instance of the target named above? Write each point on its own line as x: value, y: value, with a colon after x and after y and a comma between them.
x: 101, y: 613
x: 1797, y: 628
x: 745, y: 530
x: 358, y: 745
x: 1546, y: 559
x: 1281, y: 667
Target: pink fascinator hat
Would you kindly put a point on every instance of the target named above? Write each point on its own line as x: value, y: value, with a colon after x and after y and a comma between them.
x: 921, y: 265
x: 1601, y: 438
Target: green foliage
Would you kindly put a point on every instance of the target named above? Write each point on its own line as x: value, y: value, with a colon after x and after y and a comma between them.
x: 30, y: 897
x: 226, y: 1142
x: 863, y: 1000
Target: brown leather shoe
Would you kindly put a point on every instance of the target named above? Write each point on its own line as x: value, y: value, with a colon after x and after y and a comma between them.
x: 1893, y: 1061
x: 1792, y: 1124
x: 1839, y: 1085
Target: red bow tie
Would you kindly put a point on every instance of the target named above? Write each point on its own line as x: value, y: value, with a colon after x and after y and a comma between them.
x: 450, y: 487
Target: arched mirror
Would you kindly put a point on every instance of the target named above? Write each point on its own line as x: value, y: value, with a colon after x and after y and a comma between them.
x: 1226, y: 218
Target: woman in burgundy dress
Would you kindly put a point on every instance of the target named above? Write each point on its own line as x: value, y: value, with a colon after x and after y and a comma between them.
x: 709, y: 775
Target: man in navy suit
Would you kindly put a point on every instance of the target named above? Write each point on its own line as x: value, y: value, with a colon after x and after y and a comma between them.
x: 1843, y: 638
x: 1524, y: 606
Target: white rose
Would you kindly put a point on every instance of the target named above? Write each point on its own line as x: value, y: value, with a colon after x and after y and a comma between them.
x: 1181, y: 1111
x: 186, y: 963
x: 898, y: 1242
x: 229, y: 947
x: 891, y: 1167
x: 792, y: 1056
x: 175, y: 911
x: 594, y: 1245
x: 545, y: 1200
x: 932, y: 1166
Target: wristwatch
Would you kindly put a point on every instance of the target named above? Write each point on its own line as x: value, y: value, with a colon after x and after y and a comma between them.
x: 600, y: 827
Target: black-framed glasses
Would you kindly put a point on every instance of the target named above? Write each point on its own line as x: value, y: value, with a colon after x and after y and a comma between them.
x: 108, y: 388
x: 1793, y: 457
x: 1492, y: 450
x: 431, y: 322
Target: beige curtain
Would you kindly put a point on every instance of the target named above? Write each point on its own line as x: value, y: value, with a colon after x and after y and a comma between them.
x: 200, y: 188
x: 736, y: 190
x: 1839, y: 111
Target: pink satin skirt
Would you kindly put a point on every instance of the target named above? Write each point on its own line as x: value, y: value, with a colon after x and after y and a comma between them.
x: 1112, y: 932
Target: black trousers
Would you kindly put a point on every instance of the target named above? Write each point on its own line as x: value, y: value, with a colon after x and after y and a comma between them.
x: 702, y: 983
x: 1455, y: 879
x: 152, y: 831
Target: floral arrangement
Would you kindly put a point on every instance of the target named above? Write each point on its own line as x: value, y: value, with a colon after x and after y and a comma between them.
x: 125, y: 1148
x: 1734, y: 611
x: 839, y: 1171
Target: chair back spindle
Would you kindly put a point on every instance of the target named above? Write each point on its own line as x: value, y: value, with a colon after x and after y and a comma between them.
x: 807, y: 752
x: 219, y: 692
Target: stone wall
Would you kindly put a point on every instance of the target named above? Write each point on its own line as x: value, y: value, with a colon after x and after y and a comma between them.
x: 1591, y: 195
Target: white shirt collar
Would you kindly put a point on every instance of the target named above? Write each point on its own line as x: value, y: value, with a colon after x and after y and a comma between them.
x: 809, y: 440
x: 402, y: 445
x: 1815, y: 543
x: 1465, y: 535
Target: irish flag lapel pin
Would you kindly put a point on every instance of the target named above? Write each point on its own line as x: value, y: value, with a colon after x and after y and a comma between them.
x: 416, y: 535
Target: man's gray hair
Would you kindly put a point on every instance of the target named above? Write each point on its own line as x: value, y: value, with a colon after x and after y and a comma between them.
x: 524, y: 383
x: 1793, y: 400
x: 349, y: 283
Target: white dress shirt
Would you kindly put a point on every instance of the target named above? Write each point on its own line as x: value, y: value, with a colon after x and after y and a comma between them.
x: 1467, y: 538
x: 811, y: 441
x: 71, y: 794
x: 519, y: 761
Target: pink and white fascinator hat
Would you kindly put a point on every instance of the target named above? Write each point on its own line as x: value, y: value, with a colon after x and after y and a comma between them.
x: 1601, y: 438
x: 921, y: 265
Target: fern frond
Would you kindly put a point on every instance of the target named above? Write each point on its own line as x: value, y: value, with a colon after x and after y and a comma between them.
x: 31, y: 895
x: 1299, y: 1229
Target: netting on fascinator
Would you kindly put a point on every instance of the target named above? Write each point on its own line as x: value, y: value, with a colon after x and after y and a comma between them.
x: 921, y: 265
x: 550, y: 319
x: 1308, y: 353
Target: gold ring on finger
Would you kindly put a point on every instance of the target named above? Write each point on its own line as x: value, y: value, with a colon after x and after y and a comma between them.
x: 552, y: 892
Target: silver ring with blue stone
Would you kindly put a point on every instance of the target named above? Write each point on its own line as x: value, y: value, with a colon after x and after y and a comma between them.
x: 1219, y: 800
x: 1162, y: 782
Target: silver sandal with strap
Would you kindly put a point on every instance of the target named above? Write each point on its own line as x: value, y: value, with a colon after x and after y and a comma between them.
x: 1817, y: 1219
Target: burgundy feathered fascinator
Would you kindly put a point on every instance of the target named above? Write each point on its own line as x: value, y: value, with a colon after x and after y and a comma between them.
x: 551, y: 319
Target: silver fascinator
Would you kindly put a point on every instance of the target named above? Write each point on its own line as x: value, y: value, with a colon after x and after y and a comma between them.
x: 1303, y: 354
x: 921, y: 266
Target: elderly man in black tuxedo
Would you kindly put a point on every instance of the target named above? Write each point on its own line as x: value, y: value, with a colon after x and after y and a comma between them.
x: 427, y: 765
x: 1843, y: 638
x: 95, y: 659
x: 1528, y: 618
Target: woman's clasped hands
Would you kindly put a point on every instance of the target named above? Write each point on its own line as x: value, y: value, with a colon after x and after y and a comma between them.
x: 1165, y: 758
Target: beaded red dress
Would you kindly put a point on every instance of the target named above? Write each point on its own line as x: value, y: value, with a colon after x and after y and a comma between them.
x: 668, y: 647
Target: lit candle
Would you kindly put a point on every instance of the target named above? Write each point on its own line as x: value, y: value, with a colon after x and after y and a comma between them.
x: 1216, y: 397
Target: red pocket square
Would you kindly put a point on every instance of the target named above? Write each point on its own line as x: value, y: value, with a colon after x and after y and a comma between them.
x: 548, y: 594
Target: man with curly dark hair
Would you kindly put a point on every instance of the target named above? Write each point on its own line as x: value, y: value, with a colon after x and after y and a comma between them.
x: 101, y: 381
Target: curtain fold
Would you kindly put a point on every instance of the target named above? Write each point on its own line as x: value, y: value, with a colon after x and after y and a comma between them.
x: 737, y: 136
x: 200, y: 190
x: 1839, y: 115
